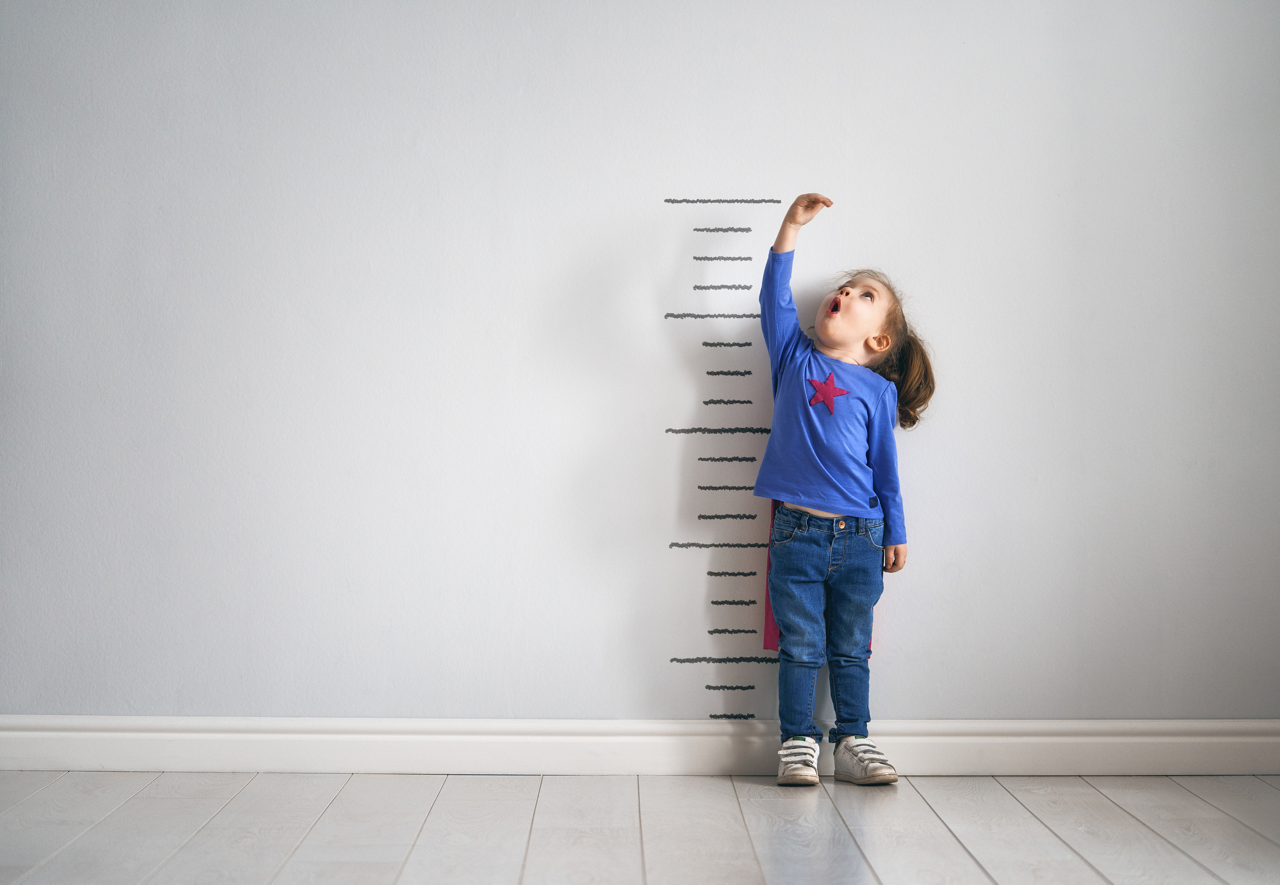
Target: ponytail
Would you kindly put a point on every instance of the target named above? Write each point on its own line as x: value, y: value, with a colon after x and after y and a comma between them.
x: 907, y: 366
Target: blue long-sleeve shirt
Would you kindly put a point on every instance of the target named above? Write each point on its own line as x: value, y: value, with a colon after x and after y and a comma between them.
x: 831, y: 443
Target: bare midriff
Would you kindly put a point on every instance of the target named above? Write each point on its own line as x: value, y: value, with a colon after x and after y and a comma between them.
x: 810, y: 510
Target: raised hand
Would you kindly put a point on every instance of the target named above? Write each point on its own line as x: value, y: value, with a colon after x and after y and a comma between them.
x: 805, y: 208
x: 802, y: 211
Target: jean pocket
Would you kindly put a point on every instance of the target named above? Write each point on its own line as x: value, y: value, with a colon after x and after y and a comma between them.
x: 875, y: 536
x: 781, y: 536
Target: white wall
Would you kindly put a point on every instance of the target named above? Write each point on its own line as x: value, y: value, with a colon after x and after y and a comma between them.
x: 335, y: 372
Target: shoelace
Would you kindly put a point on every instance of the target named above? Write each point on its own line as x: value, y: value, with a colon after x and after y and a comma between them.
x: 799, y: 753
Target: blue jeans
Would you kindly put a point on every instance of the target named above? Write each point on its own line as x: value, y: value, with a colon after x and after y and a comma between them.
x: 825, y: 577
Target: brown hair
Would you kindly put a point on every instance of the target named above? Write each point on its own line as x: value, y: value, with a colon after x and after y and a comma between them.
x: 906, y: 362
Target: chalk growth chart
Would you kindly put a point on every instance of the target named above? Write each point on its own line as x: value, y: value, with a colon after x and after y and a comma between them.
x: 716, y: 315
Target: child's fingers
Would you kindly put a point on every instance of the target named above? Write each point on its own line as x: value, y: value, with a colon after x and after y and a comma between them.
x: 806, y: 207
x: 812, y: 201
x: 895, y: 557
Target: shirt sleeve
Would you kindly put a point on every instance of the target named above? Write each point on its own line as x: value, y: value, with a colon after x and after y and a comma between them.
x: 778, y: 312
x: 882, y: 457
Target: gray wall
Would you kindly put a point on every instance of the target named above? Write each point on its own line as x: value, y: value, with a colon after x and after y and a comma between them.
x: 336, y: 374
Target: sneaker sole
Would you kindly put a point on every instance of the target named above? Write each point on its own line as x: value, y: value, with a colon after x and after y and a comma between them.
x: 798, y: 780
x: 867, y: 781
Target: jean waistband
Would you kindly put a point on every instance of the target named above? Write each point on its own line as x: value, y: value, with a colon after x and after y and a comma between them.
x: 833, y: 524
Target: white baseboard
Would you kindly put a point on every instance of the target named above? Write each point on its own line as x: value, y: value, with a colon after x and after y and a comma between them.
x: 626, y: 746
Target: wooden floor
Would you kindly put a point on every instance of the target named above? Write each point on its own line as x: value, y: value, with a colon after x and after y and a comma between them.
x: 364, y: 829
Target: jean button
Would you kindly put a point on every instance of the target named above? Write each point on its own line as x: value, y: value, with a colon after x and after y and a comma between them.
x: 842, y: 523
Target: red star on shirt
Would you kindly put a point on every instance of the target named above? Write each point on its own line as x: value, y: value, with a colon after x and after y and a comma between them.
x: 826, y: 392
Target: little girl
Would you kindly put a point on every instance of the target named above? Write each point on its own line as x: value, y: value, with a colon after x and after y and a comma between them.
x: 831, y: 467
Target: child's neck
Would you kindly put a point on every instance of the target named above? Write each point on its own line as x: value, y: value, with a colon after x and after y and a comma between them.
x: 857, y: 357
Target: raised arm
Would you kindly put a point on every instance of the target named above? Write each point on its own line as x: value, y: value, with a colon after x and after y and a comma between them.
x: 802, y: 211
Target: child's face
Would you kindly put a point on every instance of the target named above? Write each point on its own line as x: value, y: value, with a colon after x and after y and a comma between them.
x: 852, y: 315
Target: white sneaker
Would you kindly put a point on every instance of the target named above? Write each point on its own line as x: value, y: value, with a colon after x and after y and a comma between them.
x: 859, y: 761
x: 799, y: 762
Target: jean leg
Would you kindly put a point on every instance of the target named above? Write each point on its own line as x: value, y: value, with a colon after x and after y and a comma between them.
x: 854, y: 587
x: 796, y: 592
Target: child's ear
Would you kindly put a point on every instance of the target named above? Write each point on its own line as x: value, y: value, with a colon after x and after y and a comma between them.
x: 878, y: 343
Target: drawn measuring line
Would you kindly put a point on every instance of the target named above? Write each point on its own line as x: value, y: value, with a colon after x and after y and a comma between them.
x: 683, y: 200
x: 751, y: 660
x: 717, y: 430
x: 698, y: 545
x: 738, y: 373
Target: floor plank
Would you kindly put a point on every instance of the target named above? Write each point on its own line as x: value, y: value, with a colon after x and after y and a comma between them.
x: 798, y: 835
x: 1009, y: 842
x: 1247, y: 799
x: 366, y: 834
x: 109, y: 828
x: 254, y: 833
x: 1113, y: 841
x: 137, y: 837
x: 586, y: 829
x: 18, y: 785
x: 1221, y: 843
x: 903, y: 840
x: 477, y: 831
x: 38, y: 826
x: 694, y: 833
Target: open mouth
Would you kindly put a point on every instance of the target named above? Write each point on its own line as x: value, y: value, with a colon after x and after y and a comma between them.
x: 835, y: 306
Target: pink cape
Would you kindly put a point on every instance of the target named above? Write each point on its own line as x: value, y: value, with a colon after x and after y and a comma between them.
x: 770, y: 625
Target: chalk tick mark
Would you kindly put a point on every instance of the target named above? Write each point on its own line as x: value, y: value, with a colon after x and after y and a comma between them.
x: 722, y: 230
x: 729, y: 458
x: 726, y: 402
x: 711, y: 316
x: 737, y: 372
x: 722, y: 630
x: 717, y: 430
x: 698, y: 545
x: 734, y: 286
x: 722, y: 258
x: 731, y: 574
x: 733, y: 602
x: 751, y: 660
x: 703, y: 200
x: 730, y: 687
x: 726, y: 516
x: 733, y: 715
